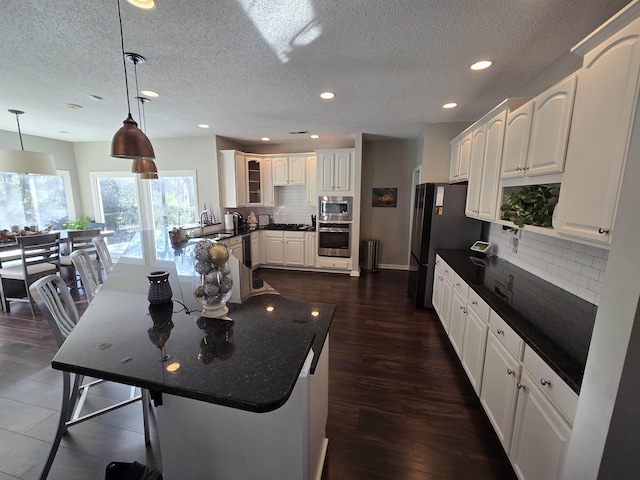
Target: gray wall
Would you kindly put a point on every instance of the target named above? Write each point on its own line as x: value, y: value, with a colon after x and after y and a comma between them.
x: 388, y: 163
x: 435, y: 151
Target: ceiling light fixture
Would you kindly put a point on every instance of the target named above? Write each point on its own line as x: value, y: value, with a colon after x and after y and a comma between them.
x: 481, y: 65
x: 450, y: 105
x: 129, y: 141
x: 145, y: 167
x: 203, y: 125
x: 150, y: 93
x: 265, y: 139
x: 315, y: 136
x: 145, y: 4
x: 20, y: 161
x: 327, y: 95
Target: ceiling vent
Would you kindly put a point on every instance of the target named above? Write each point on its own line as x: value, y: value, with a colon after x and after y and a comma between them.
x: 301, y: 132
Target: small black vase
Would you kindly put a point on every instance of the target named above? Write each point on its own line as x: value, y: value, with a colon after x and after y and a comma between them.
x: 159, y: 288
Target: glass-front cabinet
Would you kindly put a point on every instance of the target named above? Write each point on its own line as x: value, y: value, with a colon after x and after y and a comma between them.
x: 254, y: 179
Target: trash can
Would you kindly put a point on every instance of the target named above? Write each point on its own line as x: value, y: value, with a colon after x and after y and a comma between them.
x: 369, y: 255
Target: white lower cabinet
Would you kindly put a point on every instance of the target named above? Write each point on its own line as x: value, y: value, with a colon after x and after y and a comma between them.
x: 474, y: 341
x: 499, y: 388
x: 274, y: 248
x: 294, y: 252
x: 311, y: 249
x: 540, y: 434
x: 255, y: 249
x: 457, y: 320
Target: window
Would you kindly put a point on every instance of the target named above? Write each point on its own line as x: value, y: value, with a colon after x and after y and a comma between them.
x: 40, y: 200
x: 127, y: 204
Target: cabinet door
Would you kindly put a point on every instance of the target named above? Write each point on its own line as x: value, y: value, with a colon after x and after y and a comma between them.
x: 311, y: 249
x: 447, y: 296
x: 294, y: 253
x: 499, y: 388
x: 342, y: 172
x: 540, y: 435
x: 600, y: 131
x: 475, y: 171
x: 464, y: 159
x: 550, y: 128
x: 312, y: 181
x: 516, y: 141
x: 274, y: 250
x: 255, y: 250
x: 254, y: 181
x: 267, y: 182
x: 325, y: 171
x: 456, y: 325
x: 474, y: 341
x: 489, y: 187
x: 297, y: 170
x: 241, y: 180
x: 438, y: 286
x: 455, y: 159
x: 280, y: 169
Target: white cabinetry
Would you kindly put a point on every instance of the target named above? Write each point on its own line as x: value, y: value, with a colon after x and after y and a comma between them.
x: 603, y: 116
x: 516, y: 141
x: 233, y: 178
x: 494, y: 139
x: 474, y: 339
x: 289, y: 170
x: 550, y: 129
x: 274, y: 248
x: 335, y: 171
x: 312, y: 180
x: 475, y: 170
x: 311, y: 249
x: 457, y: 320
x: 294, y: 252
x: 267, y: 182
x: 460, y: 158
x: 255, y: 249
x: 443, y: 292
x: 337, y: 263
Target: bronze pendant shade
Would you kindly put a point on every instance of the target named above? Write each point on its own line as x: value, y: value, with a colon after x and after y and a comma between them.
x: 131, y: 142
x: 144, y: 166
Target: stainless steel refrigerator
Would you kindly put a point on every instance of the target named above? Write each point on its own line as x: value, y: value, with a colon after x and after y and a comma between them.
x: 438, y: 222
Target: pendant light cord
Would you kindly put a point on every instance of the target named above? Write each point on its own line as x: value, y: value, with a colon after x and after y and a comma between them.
x: 19, y: 131
x: 124, y: 63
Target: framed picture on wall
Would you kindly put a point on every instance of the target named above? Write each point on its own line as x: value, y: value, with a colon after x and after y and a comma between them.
x: 384, y: 197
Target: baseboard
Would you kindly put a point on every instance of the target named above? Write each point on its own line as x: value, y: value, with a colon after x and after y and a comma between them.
x: 389, y: 266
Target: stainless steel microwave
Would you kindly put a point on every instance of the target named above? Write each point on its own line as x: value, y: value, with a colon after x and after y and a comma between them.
x: 335, y: 209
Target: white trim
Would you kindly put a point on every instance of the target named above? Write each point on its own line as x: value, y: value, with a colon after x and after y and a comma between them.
x: 68, y: 192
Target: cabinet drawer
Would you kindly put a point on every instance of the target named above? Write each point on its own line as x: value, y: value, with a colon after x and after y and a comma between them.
x: 551, y: 384
x: 479, y: 305
x: 273, y: 234
x: 459, y: 284
x: 507, y: 336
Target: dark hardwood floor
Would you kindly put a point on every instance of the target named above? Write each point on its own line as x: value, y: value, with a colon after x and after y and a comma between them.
x: 400, y: 405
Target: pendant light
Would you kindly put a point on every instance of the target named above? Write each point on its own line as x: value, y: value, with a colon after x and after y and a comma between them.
x: 129, y: 141
x: 145, y: 167
x: 21, y: 161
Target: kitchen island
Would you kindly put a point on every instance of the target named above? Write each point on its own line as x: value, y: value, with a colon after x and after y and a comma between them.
x: 245, y: 398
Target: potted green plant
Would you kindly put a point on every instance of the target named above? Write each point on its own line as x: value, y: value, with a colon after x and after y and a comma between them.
x: 77, y: 224
x: 530, y: 205
x: 178, y: 234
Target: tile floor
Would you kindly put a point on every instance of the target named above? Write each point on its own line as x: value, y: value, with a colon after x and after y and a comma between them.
x: 30, y: 392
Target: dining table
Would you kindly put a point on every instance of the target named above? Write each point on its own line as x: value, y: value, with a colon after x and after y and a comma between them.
x: 245, y: 396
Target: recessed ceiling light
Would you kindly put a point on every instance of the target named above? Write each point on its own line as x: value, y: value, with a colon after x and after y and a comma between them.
x: 327, y: 95
x: 315, y: 136
x: 265, y: 139
x: 450, y: 105
x: 74, y: 106
x: 146, y: 4
x: 481, y: 65
x: 203, y: 125
x: 149, y: 93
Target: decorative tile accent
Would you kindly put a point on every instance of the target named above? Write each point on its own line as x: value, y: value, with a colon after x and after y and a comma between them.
x: 572, y: 266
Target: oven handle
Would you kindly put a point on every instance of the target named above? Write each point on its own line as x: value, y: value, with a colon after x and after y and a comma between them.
x: 333, y: 230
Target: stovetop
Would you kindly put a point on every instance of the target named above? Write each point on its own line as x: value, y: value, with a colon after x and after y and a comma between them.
x: 288, y: 226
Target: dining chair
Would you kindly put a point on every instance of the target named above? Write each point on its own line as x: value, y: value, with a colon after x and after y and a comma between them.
x: 87, y: 271
x: 39, y: 256
x: 104, y: 255
x: 56, y: 304
x: 77, y: 240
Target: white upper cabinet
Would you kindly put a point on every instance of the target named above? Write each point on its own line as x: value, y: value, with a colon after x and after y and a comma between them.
x: 233, y: 178
x: 312, y: 180
x: 494, y: 139
x: 267, y: 182
x: 455, y: 158
x: 289, y: 170
x: 475, y: 170
x: 460, y: 158
x: 335, y: 171
x: 516, y: 141
x: 550, y: 128
x: 603, y: 117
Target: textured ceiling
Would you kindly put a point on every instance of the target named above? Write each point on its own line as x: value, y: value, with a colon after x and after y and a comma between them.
x: 253, y: 68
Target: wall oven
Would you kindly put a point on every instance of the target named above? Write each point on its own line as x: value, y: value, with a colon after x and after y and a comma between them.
x: 334, y: 239
x: 332, y: 209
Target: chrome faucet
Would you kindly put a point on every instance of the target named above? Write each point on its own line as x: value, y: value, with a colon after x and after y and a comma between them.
x: 206, y: 218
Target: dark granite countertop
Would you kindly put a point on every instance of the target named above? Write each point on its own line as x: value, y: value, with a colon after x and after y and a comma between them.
x: 556, y: 324
x: 250, y: 363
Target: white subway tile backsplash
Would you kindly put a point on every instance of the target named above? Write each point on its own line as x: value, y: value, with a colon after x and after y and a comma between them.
x: 577, y: 268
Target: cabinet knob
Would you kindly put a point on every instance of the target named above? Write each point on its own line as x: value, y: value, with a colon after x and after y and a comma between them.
x: 602, y: 231
x: 461, y: 307
x: 520, y: 386
x: 474, y: 302
x: 500, y: 331
x: 544, y: 382
x: 525, y: 168
x: 457, y: 284
x: 510, y: 372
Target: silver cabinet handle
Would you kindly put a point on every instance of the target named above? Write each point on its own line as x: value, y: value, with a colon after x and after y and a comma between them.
x: 500, y: 332
x: 544, y: 382
x: 602, y: 231
x: 510, y: 372
x: 520, y: 386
